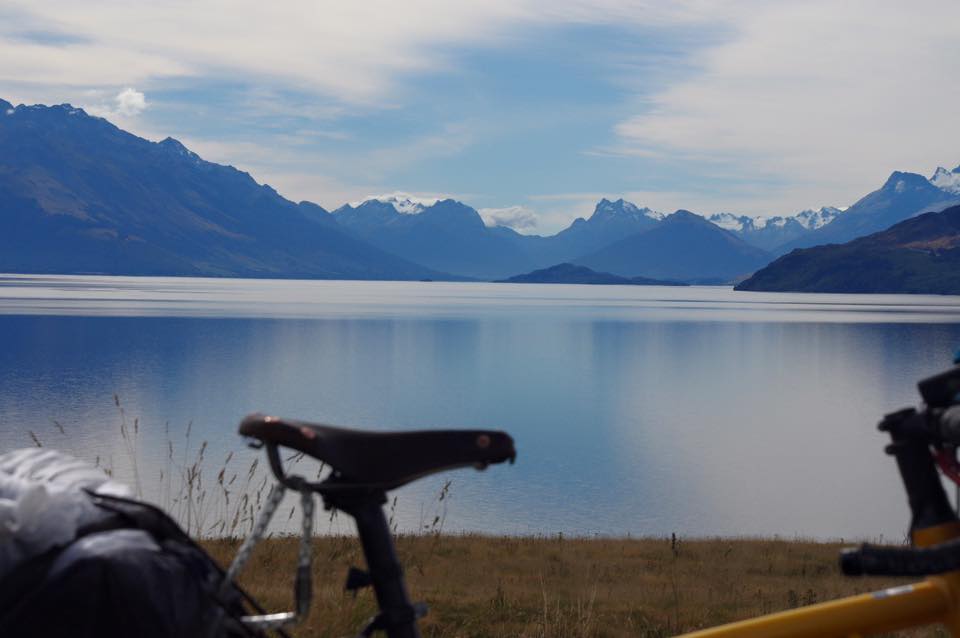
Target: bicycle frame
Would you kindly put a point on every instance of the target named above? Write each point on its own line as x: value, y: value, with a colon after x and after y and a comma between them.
x: 933, y: 600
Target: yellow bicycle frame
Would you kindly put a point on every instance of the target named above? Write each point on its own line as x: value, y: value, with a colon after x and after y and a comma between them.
x: 934, y: 600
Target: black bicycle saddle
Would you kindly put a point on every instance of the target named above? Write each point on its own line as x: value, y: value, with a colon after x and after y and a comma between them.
x: 383, y: 459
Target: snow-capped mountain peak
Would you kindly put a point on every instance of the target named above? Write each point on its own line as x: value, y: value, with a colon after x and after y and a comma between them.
x: 729, y: 221
x: 813, y: 219
x: 810, y: 219
x: 947, y: 180
x: 744, y: 223
x: 607, y: 210
x: 403, y: 203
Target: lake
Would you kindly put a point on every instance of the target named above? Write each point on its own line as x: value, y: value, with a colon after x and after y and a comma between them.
x: 636, y: 410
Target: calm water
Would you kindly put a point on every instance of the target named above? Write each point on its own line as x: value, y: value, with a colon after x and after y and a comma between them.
x: 639, y: 410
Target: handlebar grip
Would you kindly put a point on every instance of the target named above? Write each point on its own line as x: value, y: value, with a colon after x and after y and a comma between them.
x: 872, y: 560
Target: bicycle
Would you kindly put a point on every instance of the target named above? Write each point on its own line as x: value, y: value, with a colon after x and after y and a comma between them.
x: 367, y: 464
x: 921, y: 441
x: 110, y: 565
x: 364, y: 466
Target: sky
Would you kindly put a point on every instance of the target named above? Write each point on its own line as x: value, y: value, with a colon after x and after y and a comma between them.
x: 528, y: 110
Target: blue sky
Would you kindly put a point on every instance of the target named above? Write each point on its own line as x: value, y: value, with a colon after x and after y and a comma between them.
x: 527, y: 110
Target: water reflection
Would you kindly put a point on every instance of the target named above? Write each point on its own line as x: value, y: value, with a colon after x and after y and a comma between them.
x: 636, y: 410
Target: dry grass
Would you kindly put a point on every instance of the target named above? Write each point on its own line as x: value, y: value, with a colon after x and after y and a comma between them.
x: 487, y: 587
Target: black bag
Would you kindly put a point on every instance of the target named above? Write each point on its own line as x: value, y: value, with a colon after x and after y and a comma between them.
x: 135, y: 574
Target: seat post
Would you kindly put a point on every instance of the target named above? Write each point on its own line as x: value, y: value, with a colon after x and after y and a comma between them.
x: 398, y: 616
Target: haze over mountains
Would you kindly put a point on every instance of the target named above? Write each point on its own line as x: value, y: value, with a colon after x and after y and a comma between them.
x: 79, y: 195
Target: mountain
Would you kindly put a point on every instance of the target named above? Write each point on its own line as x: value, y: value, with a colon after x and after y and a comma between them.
x: 451, y: 236
x: 572, y: 274
x: 77, y: 194
x: 948, y: 181
x: 400, y: 202
x: 919, y: 255
x: 610, y: 222
x: 448, y: 236
x: 902, y: 196
x: 770, y: 233
x: 811, y: 219
x: 684, y: 246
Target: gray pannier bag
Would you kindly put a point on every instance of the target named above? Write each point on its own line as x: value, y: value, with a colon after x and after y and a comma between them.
x: 79, y: 558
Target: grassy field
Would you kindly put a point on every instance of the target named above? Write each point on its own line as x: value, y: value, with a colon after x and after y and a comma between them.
x: 486, y: 587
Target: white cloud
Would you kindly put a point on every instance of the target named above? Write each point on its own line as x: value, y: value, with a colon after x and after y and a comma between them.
x: 353, y: 51
x: 356, y: 52
x: 121, y: 108
x: 816, y: 100
x: 819, y: 98
x: 130, y: 102
x: 518, y: 218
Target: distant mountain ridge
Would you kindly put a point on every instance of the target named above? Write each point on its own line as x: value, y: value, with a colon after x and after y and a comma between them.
x: 611, y: 221
x: 902, y: 196
x: 615, y: 219
x: 918, y: 255
x: 79, y: 195
x: 685, y: 247
x: 448, y: 236
x: 770, y: 233
x: 452, y: 237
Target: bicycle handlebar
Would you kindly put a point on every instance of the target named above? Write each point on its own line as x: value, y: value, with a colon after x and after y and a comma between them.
x: 913, y: 432
x: 872, y: 560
